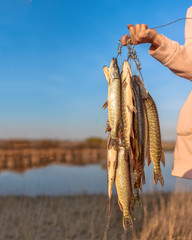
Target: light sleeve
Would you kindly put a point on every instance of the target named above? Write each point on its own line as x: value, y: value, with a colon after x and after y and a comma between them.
x: 178, y: 58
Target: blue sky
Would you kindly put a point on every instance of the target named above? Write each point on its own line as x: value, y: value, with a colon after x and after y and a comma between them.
x: 51, y: 59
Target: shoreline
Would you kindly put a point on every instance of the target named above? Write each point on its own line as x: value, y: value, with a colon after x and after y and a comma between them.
x: 21, y: 155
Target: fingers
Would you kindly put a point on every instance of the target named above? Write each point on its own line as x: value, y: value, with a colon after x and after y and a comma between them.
x: 124, y: 40
x: 139, y: 33
x: 132, y: 32
x: 144, y: 27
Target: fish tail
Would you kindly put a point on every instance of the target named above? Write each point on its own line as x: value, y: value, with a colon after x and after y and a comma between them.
x: 109, y: 204
x: 158, y: 176
x: 107, y: 127
x: 143, y: 178
x: 132, y: 202
x: 127, y: 221
x: 136, y: 200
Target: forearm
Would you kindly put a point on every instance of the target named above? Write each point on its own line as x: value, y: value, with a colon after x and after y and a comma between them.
x: 177, y: 58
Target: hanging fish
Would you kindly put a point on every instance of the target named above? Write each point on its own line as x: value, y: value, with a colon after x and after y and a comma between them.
x: 123, y: 186
x: 111, y: 168
x: 155, y: 152
x: 127, y: 107
x: 113, y: 102
x: 139, y: 128
x: 137, y: 169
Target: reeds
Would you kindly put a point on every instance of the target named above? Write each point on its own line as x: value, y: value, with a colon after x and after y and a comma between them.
x: 165, y: 216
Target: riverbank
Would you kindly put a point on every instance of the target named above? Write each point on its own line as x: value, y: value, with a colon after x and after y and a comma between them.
x: 20, y: 155
x: 164, y: 216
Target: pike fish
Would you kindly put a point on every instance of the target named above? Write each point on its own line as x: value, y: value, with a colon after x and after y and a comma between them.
x: 127, y: 107
x: 123, y: 186
x: 139, y: 128
x: 111, y: 168
x: 113, y: 102
x: 140, y: 110
x: 155, y: 152
x: 137, y: 170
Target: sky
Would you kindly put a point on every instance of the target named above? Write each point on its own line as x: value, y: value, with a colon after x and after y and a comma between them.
x: 51, y: 58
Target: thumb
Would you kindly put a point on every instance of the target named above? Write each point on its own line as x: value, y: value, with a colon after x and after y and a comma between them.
x: 129, y: 26
x: 124, y: 40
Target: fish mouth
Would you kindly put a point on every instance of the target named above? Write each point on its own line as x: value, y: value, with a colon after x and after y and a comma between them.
x: 114, y: 68
x: 113, y: 63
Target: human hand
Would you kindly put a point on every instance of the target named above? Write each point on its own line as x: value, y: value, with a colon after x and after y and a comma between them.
x: 141, y: 34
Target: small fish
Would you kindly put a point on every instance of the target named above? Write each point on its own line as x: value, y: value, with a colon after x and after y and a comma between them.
x: 111, y: 168
x: 155, y: 152
x: 140, y: 110
x: 127, y: 107
x: 114, y: 101
x: 139, y: 129
x: 144, y: 92
x: 123, y: 186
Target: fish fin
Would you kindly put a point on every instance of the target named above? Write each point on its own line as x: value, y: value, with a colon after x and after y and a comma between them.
x: 108, y: 142
x: 114, y: 143
x: 149, y: 158
x: 105, y: 105
x: 163, y: 159
x: 131, y: 152
x: 136, y: 200
x: 158, y: 176
x: 120, y: 205
x: 140, y: 185
x: 143, y: 178
x: 127, y: 221
x: 106, y: 73
x: 132, y: 133
x: 134, y: 109
x: 132, y: 202
x: 107, y: 127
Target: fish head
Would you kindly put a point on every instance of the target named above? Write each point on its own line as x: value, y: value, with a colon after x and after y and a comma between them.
x: 114, y: 68
x: 134, y: 80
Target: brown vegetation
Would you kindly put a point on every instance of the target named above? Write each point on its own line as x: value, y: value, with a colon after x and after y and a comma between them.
x: 164, y: 216
x: 20, y: 155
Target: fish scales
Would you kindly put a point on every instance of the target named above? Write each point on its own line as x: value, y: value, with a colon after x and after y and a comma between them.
x: 154, y: 139
x: 140, y: 111
x: 139, y: 128
x: 111, y: 168
x: 127, y: 103
x: 114, y: 102
x: 123, y: 185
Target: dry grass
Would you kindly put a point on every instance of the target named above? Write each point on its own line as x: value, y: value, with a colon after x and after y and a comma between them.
x: 164, y: 217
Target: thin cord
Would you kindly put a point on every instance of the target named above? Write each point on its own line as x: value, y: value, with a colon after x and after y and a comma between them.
x: 171, y: 23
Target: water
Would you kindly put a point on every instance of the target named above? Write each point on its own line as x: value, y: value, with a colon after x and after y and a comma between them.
x: 70, y: 180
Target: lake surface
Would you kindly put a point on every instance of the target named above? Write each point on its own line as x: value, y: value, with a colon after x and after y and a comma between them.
x: 70, y: 180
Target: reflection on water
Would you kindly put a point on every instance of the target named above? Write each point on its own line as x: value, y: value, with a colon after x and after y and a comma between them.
x: 62, y: 179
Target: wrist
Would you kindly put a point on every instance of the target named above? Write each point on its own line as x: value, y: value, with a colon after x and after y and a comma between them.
x: 156, y: 42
